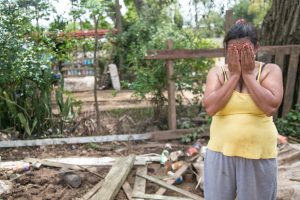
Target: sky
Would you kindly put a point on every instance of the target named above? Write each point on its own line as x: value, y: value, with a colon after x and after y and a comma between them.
x: 63, y: 7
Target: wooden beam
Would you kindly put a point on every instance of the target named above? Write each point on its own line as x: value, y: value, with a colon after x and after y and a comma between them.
x: 158, y: 197
x: 74, y: 140
x: 128, y: 190
x: 185, y: 53
x: 290, y: 83
x: 91, y: 192
x: 172, y: 134
x: 279, y: 58
x: 53, y: 164
x: 102, y: 161
x: 177, y: 174
x: 171, y: 91
x: 171, y: 187
x: 229, y: 21
x: 212, y: 53
x: 139, y: 183
x: 298, y: 99
x: 115, y: 179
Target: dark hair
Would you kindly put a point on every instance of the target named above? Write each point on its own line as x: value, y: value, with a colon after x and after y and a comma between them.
x: 241, y: 29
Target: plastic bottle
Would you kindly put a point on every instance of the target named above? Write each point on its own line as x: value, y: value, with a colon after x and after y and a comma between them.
x: 175, y: 155
x: 164, y: 157
x: 193, y: 150
x: 176, y: 165
x: 178, y: 180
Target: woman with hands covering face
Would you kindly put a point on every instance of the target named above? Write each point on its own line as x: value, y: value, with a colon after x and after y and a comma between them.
x: 241, y: 97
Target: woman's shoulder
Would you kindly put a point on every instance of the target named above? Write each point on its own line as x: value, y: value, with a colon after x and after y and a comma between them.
x: 217, y: 71
x: 270, y: 69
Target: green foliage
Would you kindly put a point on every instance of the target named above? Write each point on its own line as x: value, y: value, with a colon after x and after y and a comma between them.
x: 290, y: 124
x: 192, y: 137
x: 26, y: 78
x: 150, y: 32
x: 252, y: 11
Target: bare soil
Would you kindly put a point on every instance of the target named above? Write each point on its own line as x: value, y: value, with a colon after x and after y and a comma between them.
x: 45, y: 183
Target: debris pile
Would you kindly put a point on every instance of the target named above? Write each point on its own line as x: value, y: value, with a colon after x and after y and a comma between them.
x: 175, y: 164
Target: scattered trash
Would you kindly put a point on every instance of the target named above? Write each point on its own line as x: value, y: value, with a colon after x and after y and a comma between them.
x: 193, y: 150
x: 178, y: 180
x: 169, y: 166
x: 164, y: 157
x: 175, y: 155
x: 14, y: 167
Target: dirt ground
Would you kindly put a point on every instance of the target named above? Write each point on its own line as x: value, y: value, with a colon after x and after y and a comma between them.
x: 45, y: 183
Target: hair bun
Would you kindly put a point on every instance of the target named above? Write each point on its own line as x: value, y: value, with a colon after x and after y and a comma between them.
x: 240, y: 21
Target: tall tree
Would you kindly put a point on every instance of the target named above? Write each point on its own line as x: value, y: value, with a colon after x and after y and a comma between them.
x: 281, y: 24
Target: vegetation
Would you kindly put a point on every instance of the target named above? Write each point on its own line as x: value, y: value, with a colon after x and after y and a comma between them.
x: 290, y: 124
x: 28, y: 49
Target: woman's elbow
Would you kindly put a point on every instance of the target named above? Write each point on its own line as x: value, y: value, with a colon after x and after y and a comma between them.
x: 271, y: 111
x: 209, y: 110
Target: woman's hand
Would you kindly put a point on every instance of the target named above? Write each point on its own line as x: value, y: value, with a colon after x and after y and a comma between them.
x: 247, y: 60
x: 234, y: 64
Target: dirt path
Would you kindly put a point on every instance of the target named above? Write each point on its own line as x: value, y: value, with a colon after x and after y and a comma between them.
x: 110, y: 99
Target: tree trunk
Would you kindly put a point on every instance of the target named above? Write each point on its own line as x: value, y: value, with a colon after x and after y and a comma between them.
x: 281, y: 25
x: 139, y: 6
x: 96, y: 20
x: 120, y: 30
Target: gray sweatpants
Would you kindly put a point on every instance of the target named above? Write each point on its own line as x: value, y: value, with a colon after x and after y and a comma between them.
x: 228, y: 177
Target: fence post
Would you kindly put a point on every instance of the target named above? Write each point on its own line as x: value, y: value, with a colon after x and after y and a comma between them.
x: 228, y: 23
x: 171, y: 90
x: 228, y: 20
x: 290, y: 82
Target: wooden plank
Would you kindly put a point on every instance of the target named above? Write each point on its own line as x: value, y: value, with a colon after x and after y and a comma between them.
x: 115, y: 179
x: 279, y: 58
x: 127, y: 189
x: 140, y: 183
x: 53, y: 164
x: 171, y: 187
x: 74, y: 140
x: 171, y: 91
x: 157, y: 135
x: 172, y: 134
x: 185, y: 53
x: 102, y: 161
x: 290, y: 83
x: 212, y: 53
x: 91, y: 192
x: 229, y: 21
x: 177, y: 174
x: 298, y: 99
x: 158, y: 197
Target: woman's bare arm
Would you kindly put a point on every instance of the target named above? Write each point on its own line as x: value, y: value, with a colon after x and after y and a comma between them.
x: 267, y: 95
x: 217, y: 95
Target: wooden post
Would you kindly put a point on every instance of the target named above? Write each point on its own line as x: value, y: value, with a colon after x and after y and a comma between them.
x: 171, y: 90
x: 290, y: 83
x: 279, y: 60
x: 228, y: 20
x: 228, y: 23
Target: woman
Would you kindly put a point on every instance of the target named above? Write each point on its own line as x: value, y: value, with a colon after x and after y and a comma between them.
x: 242, y: 97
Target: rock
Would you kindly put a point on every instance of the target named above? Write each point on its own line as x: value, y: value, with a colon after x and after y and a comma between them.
x: 5, y: 187
x: 79, y: 84
x: 70, y: 178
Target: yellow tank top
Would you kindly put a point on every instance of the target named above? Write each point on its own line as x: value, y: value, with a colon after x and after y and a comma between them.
x: 241, y: 129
